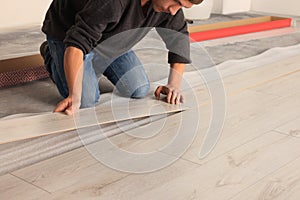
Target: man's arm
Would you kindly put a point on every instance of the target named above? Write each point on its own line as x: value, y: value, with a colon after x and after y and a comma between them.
x: 73, y: 66
x: 172, y: 89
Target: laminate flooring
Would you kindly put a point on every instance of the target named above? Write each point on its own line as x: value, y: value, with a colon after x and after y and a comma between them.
x: 256, y: 157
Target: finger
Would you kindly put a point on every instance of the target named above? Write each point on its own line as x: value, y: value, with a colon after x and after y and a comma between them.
x: 181, y: 98
x: 174, y: 97
x: 157, y: 92
x: 178, y: 99
x: 61, y: 106
x: 169, y: 96
x: 160, y: 90
x: 69, y: 111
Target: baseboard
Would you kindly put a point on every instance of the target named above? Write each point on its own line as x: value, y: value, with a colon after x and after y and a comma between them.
x: 237, y: 27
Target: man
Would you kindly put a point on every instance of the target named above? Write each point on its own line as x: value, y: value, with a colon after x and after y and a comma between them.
x: 75, y: 51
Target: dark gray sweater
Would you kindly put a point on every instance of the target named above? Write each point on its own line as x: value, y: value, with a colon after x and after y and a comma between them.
x: 87, y: 24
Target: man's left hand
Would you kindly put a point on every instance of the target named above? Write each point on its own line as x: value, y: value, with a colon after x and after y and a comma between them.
x: 173, y: 94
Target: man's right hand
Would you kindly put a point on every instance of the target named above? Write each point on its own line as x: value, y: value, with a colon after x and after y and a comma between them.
x: 67, y: 106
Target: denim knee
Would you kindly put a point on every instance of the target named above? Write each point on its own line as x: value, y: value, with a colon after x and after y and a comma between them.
x: 141, y: 91
x: 88, y: 101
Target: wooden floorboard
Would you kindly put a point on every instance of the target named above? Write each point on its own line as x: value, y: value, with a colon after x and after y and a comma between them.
x: 14, y: 188
x: 248, y: 117
x: 220, y: 178
x: 50, y: 123
x: 261, y: 76
x: 292, y: 128
x: 252, y: 111
x: 67, y: 169
x: 130, y: 188
x: 256, y: 146
x: 283, y: 184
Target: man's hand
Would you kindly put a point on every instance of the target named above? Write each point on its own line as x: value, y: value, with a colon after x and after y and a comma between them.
x: 67, y: 106
x: 172, y: 89
x: 173, y: 94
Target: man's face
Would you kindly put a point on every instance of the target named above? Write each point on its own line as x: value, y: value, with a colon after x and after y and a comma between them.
x: 170, y: 6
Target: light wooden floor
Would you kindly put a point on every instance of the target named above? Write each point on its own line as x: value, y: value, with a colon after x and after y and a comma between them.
x: 257, y: 157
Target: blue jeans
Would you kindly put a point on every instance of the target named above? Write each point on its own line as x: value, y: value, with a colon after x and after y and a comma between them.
x: 126, y: 72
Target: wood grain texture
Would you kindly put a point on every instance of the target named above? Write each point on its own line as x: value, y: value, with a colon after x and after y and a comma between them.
x: 283, y: 87
x: 157, y: 135
x: 249, y: 115
x: 258, y: 101
x: 291, y: 128
x: 14, y: 188
x: 87, y: 189
x: 261, y: 76
x: 67, y: 169
x: 220, y: 178
x: 49, y: 123
x: 61, y: 168
x: 247, y: 153
x: 250, y: 106
x: 283, y: 184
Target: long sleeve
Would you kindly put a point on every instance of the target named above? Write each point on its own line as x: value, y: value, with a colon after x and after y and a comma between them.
x: 174, y: 33
x: 91, y: 22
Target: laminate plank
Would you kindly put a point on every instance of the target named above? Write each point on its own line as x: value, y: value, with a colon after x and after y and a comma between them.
x: 281, y: 185
x: 165, y: 142
x: 270, y: 99
x: 248, y: 117
x: 88, y: 188
x: 291, y: 128
x: 220, y: 178
x: 246, y: 123
x: 157, y: 134
x: 260, y: 76
x: 33, y: 127
x: 161, y: 134
x: 253, y: 109
x: 14, y: 188
x: 249, y: 163
x: 235, y: 79
x: 246, y: 111
x: 67, y: 169
x: 284, y: 87
x: 56, y: 174
x: 45, y: 124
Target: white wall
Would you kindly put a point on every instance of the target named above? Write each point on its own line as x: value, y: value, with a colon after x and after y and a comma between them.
x: 231, y: 6
x: 235, y: 6
x: 217, y: 6
x: 285, y: 7
x: 14, y: 13
x: 201, y: 11
x: 22, y: 12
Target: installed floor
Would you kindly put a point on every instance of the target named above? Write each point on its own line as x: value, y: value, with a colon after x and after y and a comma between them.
x: 257, y: 156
